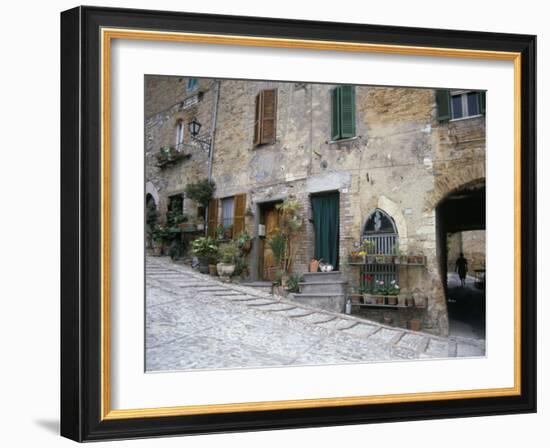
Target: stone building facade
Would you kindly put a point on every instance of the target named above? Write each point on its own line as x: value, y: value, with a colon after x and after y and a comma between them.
x: 409, y: 154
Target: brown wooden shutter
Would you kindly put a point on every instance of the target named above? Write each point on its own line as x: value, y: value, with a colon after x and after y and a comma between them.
x: 239, y: 210
x: 269, y: 116
x: 258, y: 119
x: 212, y: 217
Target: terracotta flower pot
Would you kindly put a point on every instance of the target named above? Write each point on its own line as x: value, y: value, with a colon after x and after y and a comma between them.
x: 415, y: 324
x: 313, y: 265
x: 391, y: 300
x: 213, y: 270
x: 247, y: 245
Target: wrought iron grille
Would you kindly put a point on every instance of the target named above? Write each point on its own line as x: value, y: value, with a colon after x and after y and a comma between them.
x: 379, y: 243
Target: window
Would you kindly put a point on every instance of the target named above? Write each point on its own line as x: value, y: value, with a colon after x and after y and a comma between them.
x: 232, y: 217
x: 174, y: 213
x: 192, y: 84
x: 227, y: 212
x: 180, y: 129
x: 465, y: 105
x: 454, y: 105
x: 380, y: 237
x: 265, y: 123
x: 342, y: 115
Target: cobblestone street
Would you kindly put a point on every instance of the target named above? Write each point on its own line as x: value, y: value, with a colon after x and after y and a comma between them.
x: 194, y: 321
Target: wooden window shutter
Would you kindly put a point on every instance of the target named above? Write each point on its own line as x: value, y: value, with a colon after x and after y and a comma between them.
x: 265, y: 124
x: 239, y: 210
x: 347, y: 111
x: 212, y: 217
x: 443, y: 103
x: 482, y: 102
x: 335, y: 114
x: 268, y: 116
x: 258, y: 119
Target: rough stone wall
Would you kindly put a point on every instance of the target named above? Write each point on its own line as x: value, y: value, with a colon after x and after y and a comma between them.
x: 166, y: 95
x: 402, y: 160
x: 472, y: 244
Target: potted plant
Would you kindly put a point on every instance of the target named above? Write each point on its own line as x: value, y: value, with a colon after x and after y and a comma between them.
x: 213, y: 259
x: 160, y: 235
x: 241, y: 268
x: 228, y: 253
x: 277, y: 244
x: 205, y: 248
x: 244, y: 240
x: 392, y: 292
x: 415, y: 324
x: 293, y: 283
x: 228, y: 232
x: 201, y: 192
x: 313, y: 265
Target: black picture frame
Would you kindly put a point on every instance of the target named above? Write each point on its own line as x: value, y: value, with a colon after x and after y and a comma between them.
x: 81, y: 224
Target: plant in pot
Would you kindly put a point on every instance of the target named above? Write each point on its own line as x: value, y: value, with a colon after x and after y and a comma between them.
x: 393, y: 293
x: 201, y: 192
x: 213, y: 265
x: 228, y: 253
x: 151, y: 220
x: 244, y: 241
x: 277, y: 244
x: 206, y: 249
x: 290, y: 224
x: 161, y: 236
x: 241, y: 268
x: 293, y: 283
x: 220, y: 231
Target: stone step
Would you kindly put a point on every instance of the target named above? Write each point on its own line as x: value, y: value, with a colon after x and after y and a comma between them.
x: 322, y: 277
x: 338, y: 287
x: 260, y: 286
x: 328, y: 302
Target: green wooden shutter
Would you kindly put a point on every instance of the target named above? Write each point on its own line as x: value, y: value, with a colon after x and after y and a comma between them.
x: 347, y: 111
x: 335, y: 114
x: 443, y: 102
x: 482, y: 102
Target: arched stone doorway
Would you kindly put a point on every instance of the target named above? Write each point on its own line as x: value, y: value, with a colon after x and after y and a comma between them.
x: 151, y: 219
x: 461, y: 230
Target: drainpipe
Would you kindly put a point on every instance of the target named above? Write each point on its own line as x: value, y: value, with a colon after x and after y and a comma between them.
x: 212, y: 139
x: 213, y: 128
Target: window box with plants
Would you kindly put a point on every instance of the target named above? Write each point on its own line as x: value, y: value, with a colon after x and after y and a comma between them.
x: 378, y: 293
x: 357, y: 257
x: 170, y: 155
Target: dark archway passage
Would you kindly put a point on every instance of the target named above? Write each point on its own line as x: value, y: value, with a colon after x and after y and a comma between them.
x: 461, y: 229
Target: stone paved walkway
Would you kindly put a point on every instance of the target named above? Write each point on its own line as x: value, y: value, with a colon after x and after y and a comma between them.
x: 194, y: 321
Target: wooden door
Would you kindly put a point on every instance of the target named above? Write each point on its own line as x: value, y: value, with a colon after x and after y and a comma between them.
x: 271, y: 222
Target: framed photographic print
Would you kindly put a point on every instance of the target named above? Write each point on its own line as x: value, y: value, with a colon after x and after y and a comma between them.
x: 274, y: 224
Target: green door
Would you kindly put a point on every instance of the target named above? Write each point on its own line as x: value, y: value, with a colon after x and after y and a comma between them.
x: 326, y: 222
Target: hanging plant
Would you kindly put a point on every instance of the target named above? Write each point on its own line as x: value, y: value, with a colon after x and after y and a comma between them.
x: 201, y: 192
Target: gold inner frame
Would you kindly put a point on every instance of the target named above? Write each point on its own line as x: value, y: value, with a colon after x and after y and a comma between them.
x: 107, y: 35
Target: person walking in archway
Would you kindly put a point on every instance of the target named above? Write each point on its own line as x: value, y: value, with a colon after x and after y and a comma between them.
x: 461, y: 266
